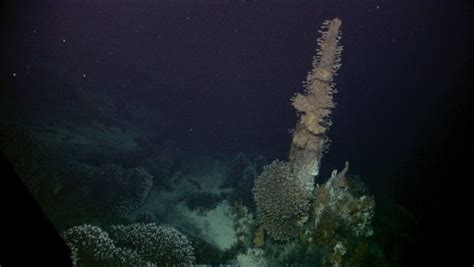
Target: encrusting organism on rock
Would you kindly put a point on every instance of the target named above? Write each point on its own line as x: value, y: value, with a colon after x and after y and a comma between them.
x: 314, y: 106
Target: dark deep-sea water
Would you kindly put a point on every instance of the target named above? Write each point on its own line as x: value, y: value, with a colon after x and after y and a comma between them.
x: 146, y: 130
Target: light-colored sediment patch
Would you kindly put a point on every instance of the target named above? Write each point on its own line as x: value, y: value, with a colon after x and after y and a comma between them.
x: 252, y: 258
x: 216, y: 226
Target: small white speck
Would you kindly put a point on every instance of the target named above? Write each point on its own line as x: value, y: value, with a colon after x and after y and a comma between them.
x: 84, y: 75
x: 64, y: 40
x: 34, y: 31
x: 378, y: 7
x: 14, y: 74
x: 190, y: 129
x: 188, y: 17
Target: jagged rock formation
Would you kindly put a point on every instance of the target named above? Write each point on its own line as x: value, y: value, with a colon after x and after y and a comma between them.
x: 342, y: 202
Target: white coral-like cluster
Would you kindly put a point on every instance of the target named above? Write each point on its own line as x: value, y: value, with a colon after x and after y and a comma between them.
x: 162, y: 245
x: 282, y: 201
x: 132, y: 245
x: 90, y: 241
